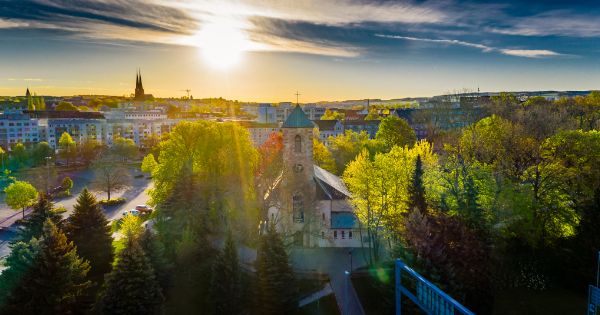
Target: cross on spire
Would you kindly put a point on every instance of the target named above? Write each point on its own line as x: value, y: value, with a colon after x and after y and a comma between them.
x: 297, y: 94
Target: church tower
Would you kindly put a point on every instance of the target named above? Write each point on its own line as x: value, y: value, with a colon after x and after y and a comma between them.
x: 298, y: 194
x: 139, y: 87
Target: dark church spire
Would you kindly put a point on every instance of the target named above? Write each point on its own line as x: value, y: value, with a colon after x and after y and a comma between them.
x: 139, y: 88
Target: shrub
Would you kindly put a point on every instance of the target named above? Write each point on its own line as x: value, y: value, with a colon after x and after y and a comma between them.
x: 112, y: 202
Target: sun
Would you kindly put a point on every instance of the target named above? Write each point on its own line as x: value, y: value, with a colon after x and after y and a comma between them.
x: 222, y: 44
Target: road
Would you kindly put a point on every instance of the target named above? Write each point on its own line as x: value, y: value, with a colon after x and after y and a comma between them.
x: 135, y: 195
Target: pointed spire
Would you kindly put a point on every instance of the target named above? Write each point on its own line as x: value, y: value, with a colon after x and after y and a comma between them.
x: 27, y: 93
x: 141, y: 85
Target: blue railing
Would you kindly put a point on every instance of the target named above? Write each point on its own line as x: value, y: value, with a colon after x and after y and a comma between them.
x: 428, y: 297
x: 594, y: 292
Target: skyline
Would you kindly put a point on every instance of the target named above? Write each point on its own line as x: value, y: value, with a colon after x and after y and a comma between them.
x: 337, y: 50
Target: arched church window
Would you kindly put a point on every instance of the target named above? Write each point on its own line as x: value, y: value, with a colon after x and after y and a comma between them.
x: 298, y: 208
x: 298, y: 144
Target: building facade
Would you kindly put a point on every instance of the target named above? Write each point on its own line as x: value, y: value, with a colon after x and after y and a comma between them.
x: 312, y: 206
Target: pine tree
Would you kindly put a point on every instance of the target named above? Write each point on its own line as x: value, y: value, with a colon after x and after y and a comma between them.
x: 89, y: 229
x: 155, y: 251
x: 131, y: 287
x: 472, y: 211
x: 226, y: 287
x: 18, y: 265
x: 416, y: 191
x: 33, y: 225
x: 276, y: 290
x: 56, y: 281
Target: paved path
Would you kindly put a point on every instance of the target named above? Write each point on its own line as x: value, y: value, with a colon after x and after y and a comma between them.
x: 317, y: 295
x: 334, y: 262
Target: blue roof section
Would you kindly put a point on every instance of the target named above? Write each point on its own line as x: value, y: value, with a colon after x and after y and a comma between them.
x: 297, y: 119
x: 343, y: 220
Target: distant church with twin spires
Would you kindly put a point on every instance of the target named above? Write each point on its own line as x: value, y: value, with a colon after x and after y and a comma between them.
x: 139, y: 89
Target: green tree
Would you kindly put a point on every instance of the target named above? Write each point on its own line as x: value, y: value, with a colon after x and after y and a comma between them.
x: 56, y: 281
x: 148, y: 163
x: 226, y: 286
x: 67, y: 184
x: 18, y: 264
x: 40, y: 152
x: 42, y: 210
x: 276, y: 289
x: 416, y: 191
x: 332, y: 115
x: 67, y: 145
x: 90, y: 231
x: 346, y: 147
x: 20, y: 195
x: 155, y: 251
x: 124, y: 148
x: 19, y: 158
x: 66, y: 106
x: 322, y: 156
x: 394, y: 131
x: 131, y: 287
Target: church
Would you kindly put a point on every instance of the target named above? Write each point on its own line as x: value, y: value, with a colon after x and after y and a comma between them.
x: 312, y: 205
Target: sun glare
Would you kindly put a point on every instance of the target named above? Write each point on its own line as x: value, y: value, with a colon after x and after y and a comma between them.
x: 222, y: 44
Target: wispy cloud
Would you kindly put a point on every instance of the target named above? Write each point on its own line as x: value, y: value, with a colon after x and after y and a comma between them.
x: 26, y: 79
x: 528, y: 53
x: 556, y: 22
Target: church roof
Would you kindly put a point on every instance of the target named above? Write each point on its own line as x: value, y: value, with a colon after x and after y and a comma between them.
x: 297, y: 119
x: 331, y: 180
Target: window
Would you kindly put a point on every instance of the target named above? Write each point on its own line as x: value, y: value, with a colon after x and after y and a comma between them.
x: 350, y: 234
x: 298, y: 208
x: 335, y: 234
x: 322, y: 234
x: 323, y: 217
x: 298, y: 144
x: 343, y: 234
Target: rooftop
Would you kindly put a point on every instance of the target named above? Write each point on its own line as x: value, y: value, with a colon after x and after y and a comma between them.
x: 297, y: 119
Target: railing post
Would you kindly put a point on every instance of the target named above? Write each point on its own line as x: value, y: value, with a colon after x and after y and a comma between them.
x: 398, y: 281
x: 346, y: 301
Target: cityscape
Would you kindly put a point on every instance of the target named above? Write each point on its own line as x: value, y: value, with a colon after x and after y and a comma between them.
x: 319, y: 157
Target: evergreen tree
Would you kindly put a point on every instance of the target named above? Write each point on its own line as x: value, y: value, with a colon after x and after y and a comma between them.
x: 18, y: 264
x: 472, y: 212
x: 89, y: 229
x: 56, y: 281
x: 416, y: 191
x: 155, y: 251
x: 131, y: 287
x: 276, y: 289
x: 42, y: 211
x: 226, y: 287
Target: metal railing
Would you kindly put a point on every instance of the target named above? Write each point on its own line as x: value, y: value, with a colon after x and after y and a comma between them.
x: 428, y: 297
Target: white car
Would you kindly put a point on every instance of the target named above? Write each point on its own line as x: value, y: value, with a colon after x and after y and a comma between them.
x: 132, y: 212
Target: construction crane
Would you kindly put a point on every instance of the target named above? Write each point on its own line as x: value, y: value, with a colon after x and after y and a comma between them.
x: 188, y: 93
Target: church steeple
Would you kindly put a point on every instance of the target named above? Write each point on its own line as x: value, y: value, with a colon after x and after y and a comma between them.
x: 139, y: 88
x: 27, y: 94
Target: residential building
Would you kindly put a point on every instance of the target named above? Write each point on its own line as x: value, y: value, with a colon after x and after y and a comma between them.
x: 370, y: 126
x: 329, y: 128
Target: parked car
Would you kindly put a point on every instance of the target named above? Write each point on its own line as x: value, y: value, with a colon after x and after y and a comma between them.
x: 133, y: 212
x: 144, y: 209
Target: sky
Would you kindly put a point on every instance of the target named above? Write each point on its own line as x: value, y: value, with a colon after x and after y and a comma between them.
x: 266, y: 50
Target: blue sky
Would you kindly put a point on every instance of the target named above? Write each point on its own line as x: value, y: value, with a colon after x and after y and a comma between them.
x: 266, y: 50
